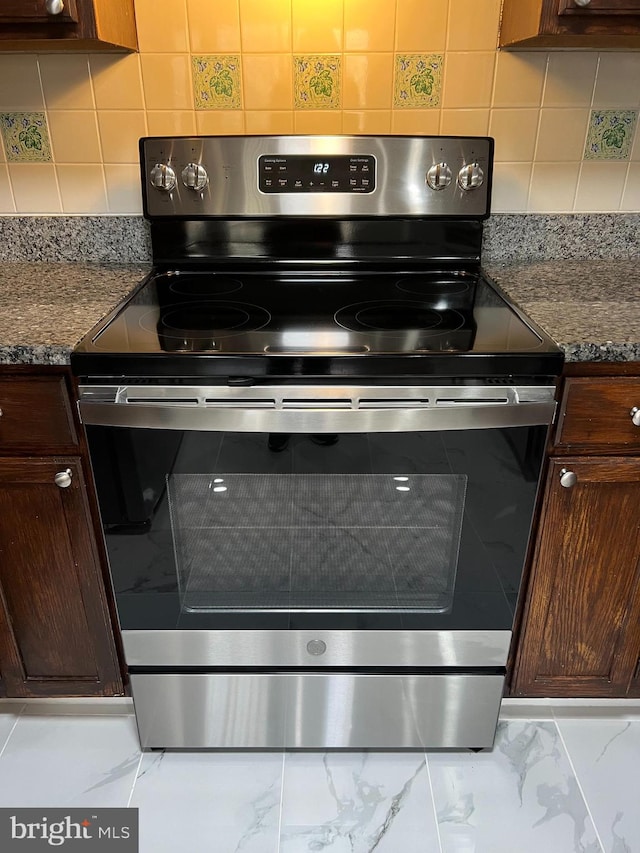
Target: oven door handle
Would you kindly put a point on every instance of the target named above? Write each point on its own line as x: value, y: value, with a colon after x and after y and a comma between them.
x: 326, y: 410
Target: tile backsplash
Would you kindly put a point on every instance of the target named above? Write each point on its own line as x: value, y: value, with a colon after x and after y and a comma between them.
x: 565, y: 122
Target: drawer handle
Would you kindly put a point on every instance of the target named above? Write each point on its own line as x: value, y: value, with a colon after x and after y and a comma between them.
x: 63, y: 478
x: 582, y: 2
x: 635, y: 416
x: 54, y: 7
x: 568, y: 479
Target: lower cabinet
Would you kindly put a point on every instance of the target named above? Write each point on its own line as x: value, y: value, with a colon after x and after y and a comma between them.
x: 582, y: 624
x: 56, y: 633
x: 580, y: 633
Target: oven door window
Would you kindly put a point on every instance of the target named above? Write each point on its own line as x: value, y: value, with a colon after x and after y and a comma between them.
x: 246, y: 530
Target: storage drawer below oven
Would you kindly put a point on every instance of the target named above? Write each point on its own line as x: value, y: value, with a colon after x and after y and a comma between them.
x: 316, y: 710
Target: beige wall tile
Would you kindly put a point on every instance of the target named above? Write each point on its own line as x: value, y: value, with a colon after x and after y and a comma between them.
x: 6, y: 195
x: 171, y: 123
x: 82, y: 189
x: 631, y: 196
x: 562, y: 135
x: 120, y: 132
x: 510, y: 187
x: 468, y: 80
x: 214, y: 27
x: 415, y: 122
x: 123, y: 188
x: 162, y: 26
x: 600, y: 186
x: 167, y: 81
x: 35, y: 188
x: 465, y: 122
x: 267, y: 81
x: 66, y: 81
x: 515, y: 134
x: 265, y: 25
x: 421, y: 27
x: 74, y: 136
x: 553, y: 187
x: 220, y: 122
x: 570, y: 79
x: 368, y: 81
x: 317, y: 27
x: 473, y: 25
x: 268, y: 121
x: 366, y: 121
x: 369, y: 25
x: 618, y: 81
x: 317, y: 121
x: 519, y: 79
x: 117, y: 81
x: 20, y: 87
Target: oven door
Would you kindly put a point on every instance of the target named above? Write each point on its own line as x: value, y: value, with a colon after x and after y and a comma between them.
x: 305, y: 532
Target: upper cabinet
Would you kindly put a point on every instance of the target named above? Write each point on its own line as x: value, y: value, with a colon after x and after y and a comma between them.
x: 47, y: 25
x: 570, y: 23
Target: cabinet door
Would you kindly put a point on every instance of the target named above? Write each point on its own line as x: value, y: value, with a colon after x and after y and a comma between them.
x: 37, y: 12
x: 599, y: 7
x: 581, y: 631
x: 55, y: 632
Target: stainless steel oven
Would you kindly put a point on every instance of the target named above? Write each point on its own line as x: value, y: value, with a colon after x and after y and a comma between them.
x: 316, y: 430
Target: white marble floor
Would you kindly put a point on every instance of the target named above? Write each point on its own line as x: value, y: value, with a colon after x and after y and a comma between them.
x: 559, y: 779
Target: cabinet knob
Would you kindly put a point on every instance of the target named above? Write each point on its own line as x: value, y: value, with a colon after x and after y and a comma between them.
x: 54, y: 7
x: 567, y: 478
x: 582, y: 2
x: 63, y: 479
x: 635, y: 416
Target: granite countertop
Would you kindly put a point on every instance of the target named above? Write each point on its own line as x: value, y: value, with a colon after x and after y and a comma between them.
x: 48, y: 307
x: 591, y: 308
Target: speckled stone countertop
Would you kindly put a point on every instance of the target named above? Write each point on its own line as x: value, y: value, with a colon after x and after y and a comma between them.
x: 590, y: 308
x: 47, y: 307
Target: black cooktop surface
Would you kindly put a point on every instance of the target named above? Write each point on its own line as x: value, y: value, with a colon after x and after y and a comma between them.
x: 307, y: 318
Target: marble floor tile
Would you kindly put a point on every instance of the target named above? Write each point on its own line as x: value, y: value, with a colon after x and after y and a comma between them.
x: 357, y: 803
x: 606, y: 758
x: 8, y: 718
x: 69, y: 761
x: 521, y: 796
x: 209, y: 802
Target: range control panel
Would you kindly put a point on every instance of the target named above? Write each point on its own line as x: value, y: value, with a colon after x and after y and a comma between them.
x: 305, y: 173
x: 338, y: 176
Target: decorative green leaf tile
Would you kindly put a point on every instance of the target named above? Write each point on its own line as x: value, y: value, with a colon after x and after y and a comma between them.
x: 610, y: 134
x: 216, y: 82
x: 316, y: 82
x: 26, y: 137
x: 417, y: 80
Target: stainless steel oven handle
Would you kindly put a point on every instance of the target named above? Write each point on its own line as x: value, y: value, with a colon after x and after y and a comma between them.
x: 302, y: 409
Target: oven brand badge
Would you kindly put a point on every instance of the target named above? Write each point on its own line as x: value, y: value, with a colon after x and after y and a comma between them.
x: 101, y: 830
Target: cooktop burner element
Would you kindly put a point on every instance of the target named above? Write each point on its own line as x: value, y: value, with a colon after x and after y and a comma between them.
x: 202, y: 284
x: 437, y: 285
x: 394, y: 316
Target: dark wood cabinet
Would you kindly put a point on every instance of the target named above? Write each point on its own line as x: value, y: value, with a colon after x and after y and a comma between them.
x: 568, y: 23
x: 56, y: 630
x: 580, y: 633
x: 47, y: 25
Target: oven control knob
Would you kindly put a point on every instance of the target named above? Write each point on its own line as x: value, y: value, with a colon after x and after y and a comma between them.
x: 163, y: 177
x: 194, y: 177
x: 439, y: 176
x: 470, y: 177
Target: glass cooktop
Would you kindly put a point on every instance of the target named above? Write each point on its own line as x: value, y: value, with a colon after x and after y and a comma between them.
x: 253, y: 313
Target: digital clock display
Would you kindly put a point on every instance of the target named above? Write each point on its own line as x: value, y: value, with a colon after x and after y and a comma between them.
x: 306, y: 173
